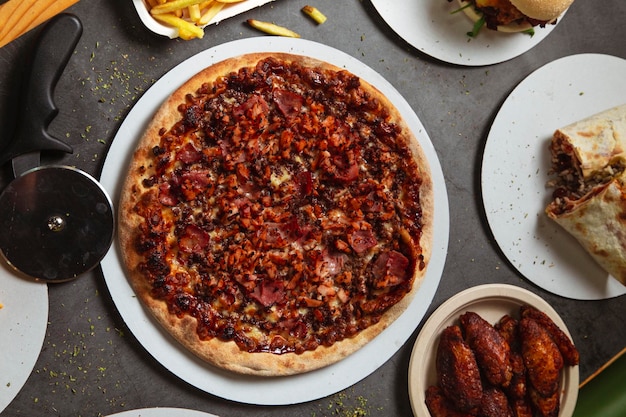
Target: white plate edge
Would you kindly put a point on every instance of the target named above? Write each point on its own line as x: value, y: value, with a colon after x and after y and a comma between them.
x: 162, y: 412
x: 31, y: 343
x: 437, y: 262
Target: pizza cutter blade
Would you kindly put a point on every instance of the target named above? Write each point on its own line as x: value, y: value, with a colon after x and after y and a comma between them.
x: 56, y: 222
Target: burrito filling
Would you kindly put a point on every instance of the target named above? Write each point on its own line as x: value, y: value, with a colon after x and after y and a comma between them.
x: 570, y: 185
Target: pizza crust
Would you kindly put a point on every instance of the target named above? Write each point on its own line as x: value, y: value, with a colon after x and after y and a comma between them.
x: 227, y: 355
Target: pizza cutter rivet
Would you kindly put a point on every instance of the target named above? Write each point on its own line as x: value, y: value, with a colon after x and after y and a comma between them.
x: 56, y: 223
x: 102, y: 208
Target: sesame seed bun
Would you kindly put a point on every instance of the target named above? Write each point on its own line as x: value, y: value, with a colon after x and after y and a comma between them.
x: 546, y: 10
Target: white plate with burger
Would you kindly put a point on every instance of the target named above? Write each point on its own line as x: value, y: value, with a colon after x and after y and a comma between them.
x: 440, y: 29
x: 516, y: 165
x: 491, y: 302
x: 23, y: 324
x: 254, y: 389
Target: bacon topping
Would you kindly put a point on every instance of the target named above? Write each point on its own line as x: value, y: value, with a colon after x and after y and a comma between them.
x: 189, y: 154
x: 268, y: 292
x: 165, y: 195
x: 252, y: 108
x: 390, y: 269
x: 193, y: 240
x: 288, y: 102
x: 362, y: 240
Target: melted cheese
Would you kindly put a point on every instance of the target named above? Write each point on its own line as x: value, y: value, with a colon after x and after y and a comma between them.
x: 277, y: 180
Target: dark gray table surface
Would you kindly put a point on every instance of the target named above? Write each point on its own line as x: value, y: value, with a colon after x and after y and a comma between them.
x: 91, y: 364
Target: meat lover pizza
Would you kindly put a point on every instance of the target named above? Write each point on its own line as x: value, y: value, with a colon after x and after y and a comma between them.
x: 277, y: 214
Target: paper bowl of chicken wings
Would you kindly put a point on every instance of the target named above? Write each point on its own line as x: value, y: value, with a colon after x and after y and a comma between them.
x: 494, y: 350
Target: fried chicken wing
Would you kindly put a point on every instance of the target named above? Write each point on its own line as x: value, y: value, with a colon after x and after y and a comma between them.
x: 521, y: 408
x: 517, y: 388
x: 494, y: 404
x: 542, y: 357
x: 491, y: 349
x: 457, y: 371
x: 564, y: 343
x: 545, y: 406
x: 439, y: 405
x: 507, y: 327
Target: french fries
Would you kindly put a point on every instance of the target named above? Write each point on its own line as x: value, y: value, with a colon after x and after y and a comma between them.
x: 314, y: 13
x: 186, y: 30
x: 210, y: 12
x: 187, y: 16
x: 272, y: 29
x: 190, y: 16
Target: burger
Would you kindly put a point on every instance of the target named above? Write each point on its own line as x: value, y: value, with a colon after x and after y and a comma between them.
x: 513, y: 15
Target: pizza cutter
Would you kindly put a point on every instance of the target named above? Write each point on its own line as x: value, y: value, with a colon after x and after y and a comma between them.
x: 56, y: 222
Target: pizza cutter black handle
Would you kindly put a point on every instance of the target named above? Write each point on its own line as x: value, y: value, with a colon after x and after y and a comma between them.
x: 52, y: 50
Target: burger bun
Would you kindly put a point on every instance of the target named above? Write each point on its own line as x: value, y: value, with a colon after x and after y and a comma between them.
x: 545, y: 10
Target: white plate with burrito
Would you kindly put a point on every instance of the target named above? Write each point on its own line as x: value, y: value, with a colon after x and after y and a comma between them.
x: 515, y: 172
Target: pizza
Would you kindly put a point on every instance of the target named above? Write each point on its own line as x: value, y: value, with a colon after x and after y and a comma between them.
x: 277, y: 214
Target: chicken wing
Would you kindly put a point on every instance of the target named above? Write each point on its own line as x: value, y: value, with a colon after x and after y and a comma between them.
x: 491, y: 349
x: 517, y: 388
x: 507, y: 327
x: 564, y: 343
x: 545, y: 406
x: 542, y: 357
x: 457, y: 371
x: 521, y: 408
x: 494, y: 404
x: 439, y: 405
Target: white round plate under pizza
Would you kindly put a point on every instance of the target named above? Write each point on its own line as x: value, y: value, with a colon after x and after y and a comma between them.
x: 433, y: 27
x: 491, y: 302
x: 258, y: 220
x: 516, y: 165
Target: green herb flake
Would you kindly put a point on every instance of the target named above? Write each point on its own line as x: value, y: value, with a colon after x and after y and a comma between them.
x: 478, y: 25
x: 461, y: 8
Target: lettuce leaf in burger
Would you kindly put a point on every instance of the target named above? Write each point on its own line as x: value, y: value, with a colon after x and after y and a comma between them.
x: 512, y: 15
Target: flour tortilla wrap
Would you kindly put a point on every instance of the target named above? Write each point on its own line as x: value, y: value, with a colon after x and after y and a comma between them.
x: 591, y: 202
x: 599, y: 224
x: 597, y: 140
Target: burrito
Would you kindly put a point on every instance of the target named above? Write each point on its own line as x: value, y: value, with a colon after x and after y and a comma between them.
x: 589, y: 196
